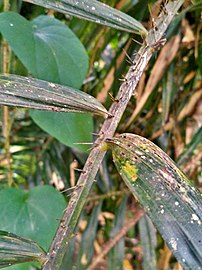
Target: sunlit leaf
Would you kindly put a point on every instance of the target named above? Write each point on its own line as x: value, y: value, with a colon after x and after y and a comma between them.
x: 36, y: 94
x: 15, y: 249
x: 95, y: 11
x: 171, y: 200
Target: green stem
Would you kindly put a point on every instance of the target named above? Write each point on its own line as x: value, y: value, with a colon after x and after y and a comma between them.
x: 71, y: 215
x: 6, y: 118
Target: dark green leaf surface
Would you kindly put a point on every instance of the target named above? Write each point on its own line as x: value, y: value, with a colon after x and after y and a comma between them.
x: 16, y: 249
x: 34, y: 214
x: 72, y: 129
x: 51, y: 51
x: 36, y: 94
x: 95, y: 11
x: 173, y: 203
x: 47, y: 48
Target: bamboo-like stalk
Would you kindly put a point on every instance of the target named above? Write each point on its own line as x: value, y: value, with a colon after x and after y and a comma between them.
x: 6, y: 121
x: 69, y: 221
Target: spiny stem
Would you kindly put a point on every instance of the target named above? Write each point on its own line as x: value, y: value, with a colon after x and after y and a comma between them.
x: 80, y: 194
x: 71, y: 215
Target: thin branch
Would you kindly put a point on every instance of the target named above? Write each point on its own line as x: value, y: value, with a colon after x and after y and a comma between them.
x: 6, y: 117
x: 68, y: 223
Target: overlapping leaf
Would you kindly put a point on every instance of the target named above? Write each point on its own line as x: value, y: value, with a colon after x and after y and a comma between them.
x: 37, y: 94
x: 95, y: 11
x: 51, y: 52
x: 15, y: 249
x: 34, y: 214
x: 173, y: 203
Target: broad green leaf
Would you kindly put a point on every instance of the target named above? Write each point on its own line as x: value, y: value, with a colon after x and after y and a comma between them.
x: 36, y: 94
x: 95, y: 11
x: 171, y: 200
x: 47, y: 48
x: 34, y: 214
x: 51, y: 51
x: 71, y: 129
x: 15, y: 249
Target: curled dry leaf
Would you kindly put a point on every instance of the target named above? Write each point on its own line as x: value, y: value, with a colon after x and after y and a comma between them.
x: 171, y: 200
x: 32, y: 93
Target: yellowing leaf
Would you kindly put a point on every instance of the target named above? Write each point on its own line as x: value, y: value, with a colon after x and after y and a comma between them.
x: 171, y: 200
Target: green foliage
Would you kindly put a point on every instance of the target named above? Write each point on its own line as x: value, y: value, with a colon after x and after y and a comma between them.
x: 16, y: 249
x: 97, y: 12
x: 165, y: 110
x: 170, y: 199
x: 47, y: 48
x: 33, y: 214
x: 36, y: 94
x: 50, y: 51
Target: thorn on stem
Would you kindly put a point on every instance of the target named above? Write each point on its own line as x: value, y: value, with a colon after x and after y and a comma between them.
x: 112, y: 98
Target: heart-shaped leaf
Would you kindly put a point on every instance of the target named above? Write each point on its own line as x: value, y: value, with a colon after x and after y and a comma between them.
x: 51, y: 51
x: 34, y: 214
x: 171, y: 200
x: 47, y: 48
x: 36, y: 94
x: 72, y: 129
x: 95, y: 11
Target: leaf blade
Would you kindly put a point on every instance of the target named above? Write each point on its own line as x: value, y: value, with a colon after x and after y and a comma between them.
x: 170, y: 199
x: 37, y: 94
x: 34, y: 214
x: 95, y: 11
x: 16, y: 249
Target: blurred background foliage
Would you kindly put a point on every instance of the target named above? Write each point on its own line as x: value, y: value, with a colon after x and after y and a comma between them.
x: 112, y: 232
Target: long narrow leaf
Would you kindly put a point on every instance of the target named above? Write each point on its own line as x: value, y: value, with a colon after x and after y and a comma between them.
x: 171, y: 200
x: 95, y: 11
x: 15, y: 249
x: 148, y: 243
x: 41, y: 95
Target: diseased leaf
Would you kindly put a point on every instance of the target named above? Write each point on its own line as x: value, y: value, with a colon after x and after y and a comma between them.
x: 95, y: 11
x: 171, y: 200
x: 26, y: 92
x: 15, y: 249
